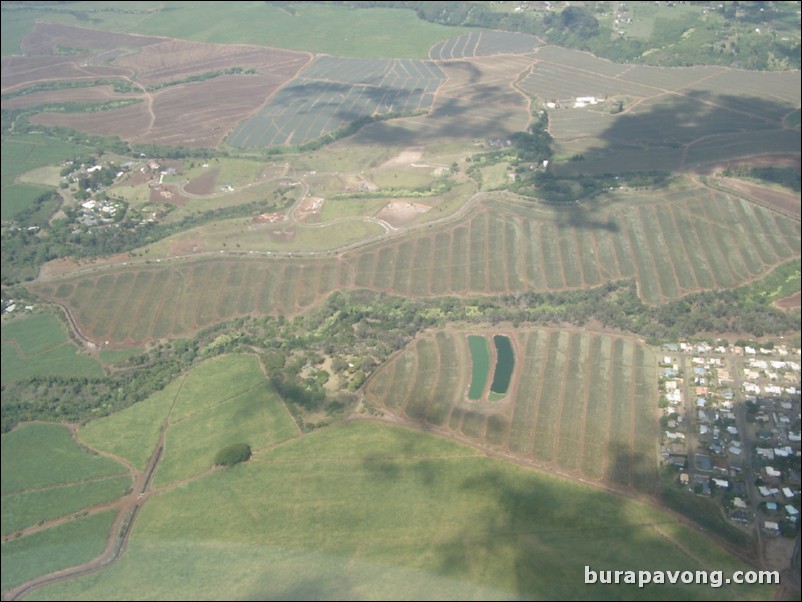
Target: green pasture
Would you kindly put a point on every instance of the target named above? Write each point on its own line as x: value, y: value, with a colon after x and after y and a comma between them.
x: 406, y: 515
x: 43, y: 455
x: 18, y: 197
x: 24, y: 152
x: 214, y: 382
x: 133, y: 432
x: 255, y: 417
x: 39, y: 345
x: 26, y: 509
x: 111, y: 357
x: 335, y: 30
x: 56, y: 548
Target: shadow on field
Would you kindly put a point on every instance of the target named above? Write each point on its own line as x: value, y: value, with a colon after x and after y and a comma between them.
x: 683, y: 132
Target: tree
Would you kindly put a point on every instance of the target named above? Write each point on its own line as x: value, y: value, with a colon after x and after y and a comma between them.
x: 233, y: 454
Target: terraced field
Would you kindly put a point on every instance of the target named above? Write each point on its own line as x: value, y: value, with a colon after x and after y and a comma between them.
x: 676, y: 242
x: 579, y: 402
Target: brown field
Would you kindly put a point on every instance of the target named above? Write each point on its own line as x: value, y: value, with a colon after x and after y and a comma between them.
x: 197, y: 114
x: 792, y: 302
x: 477, y: 100
x: 784, y: 202
x: 95, y: 94
x: 176, y: 59
x: 20, y: 72
x: 204, y: 184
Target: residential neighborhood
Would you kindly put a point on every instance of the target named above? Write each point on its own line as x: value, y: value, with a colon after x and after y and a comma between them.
x: 731, y: 429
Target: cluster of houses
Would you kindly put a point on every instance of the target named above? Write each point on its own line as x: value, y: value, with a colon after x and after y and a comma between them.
x: 731, y: 428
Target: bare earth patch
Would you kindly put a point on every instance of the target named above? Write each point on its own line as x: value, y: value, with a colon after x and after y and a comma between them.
x: 194, y: 114
x: 167, y: 193
x: 203, y: 185
x: 409, y: 155
x: 309, y: 208
x: 785, y: 202
x: 792, y: 302
x: 186, y: 247
x: 399, y: 213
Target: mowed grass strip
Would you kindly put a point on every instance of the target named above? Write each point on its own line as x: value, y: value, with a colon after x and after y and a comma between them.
x: 596, y: 419
x: 569, y: 442
x: 41, y: 455
x: 550, y: 396
x: 26, y: 509
x: 450, y: 378
x: 39, y: 345
x: 406, y: 515
x: 646, y: 435
x: 425, y: 379
x: 619, y: 445
x: 56, y: 548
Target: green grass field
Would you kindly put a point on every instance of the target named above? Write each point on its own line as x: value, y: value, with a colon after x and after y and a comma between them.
x: 406, y: 516
x: 334, y: 30
x: 59, y: 547
x: 26, y: 509
x: 41, y: 455
x: 39, y: 345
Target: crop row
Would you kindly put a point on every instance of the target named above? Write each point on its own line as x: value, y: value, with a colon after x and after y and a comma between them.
x: 581, y: 402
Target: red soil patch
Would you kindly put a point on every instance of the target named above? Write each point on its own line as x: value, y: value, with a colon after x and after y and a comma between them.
x: 204, y: 184
x: 785, y: 202
x: 96, y: 94
x: 792, y: 302
x: 198, y: 114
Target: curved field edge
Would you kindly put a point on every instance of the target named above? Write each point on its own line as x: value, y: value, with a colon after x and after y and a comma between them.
x: 671, y: 246
x: 56, y: 548
x: 406, y: 514
x: 37, y: 455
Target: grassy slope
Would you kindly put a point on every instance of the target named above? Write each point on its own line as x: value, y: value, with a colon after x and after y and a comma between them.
x: 38, y: 455
x: 364, y: 510
x: 60, y: 547
x: 23, y: 510
x: 38, y: 345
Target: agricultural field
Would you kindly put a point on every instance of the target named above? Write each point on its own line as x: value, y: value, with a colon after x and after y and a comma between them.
x: 176, y: 96
x: 222, y: 402
x: 578, y: 403
x: 28, y: 508
x: 407, y: 515
x: 673, y: 241
x: 38, y: 345
x: 332, y: 92
x: 483, y: 43
x: 56, y: 548
x: 37, y: 456
x: 383, y: 33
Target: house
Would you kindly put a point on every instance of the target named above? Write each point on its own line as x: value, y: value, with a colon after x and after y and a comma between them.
x: 721, y: 483
x: 771, y: 526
